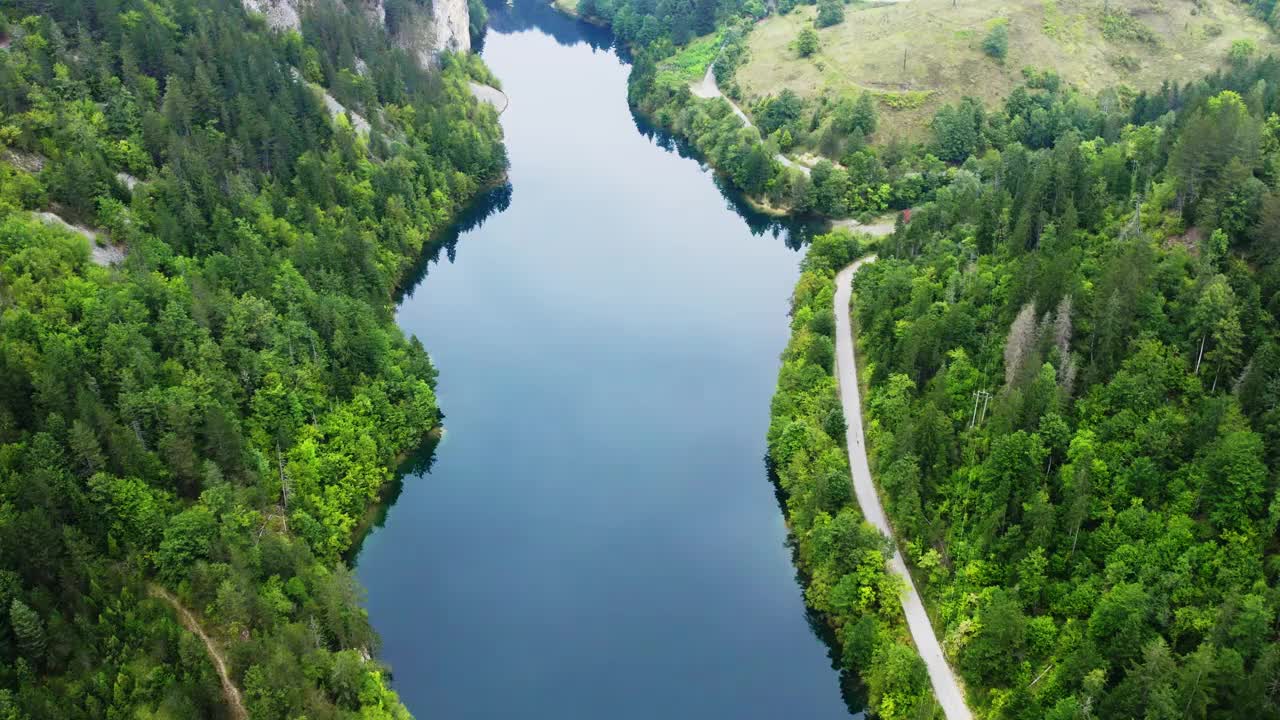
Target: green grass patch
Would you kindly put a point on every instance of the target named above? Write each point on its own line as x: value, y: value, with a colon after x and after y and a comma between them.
x: 690, y: 64
x: 1054, y: 25
x: 1063, y: 27
x: 907, y: 100
x: 1121, y: 26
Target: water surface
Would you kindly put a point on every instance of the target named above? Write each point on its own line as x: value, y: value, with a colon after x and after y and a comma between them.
x: 596, y: 536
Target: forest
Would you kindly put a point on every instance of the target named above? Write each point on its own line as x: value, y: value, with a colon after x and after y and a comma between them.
x: 212, y: 407
x: 1074, y: 364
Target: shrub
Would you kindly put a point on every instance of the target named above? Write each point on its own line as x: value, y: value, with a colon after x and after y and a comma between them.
x: 997, y: 43
x: 1117, y: 25
x: 1241, y: 51
x: 830, y: 12
x: 806, y: 42
x: 1128, y: 63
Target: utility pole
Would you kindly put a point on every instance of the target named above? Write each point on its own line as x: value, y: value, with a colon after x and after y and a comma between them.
x: 983, y: 397
x: 284, y: 480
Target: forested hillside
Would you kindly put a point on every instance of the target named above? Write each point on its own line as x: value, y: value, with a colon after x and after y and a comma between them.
x: 212, y: 400
x: 1074, y: 369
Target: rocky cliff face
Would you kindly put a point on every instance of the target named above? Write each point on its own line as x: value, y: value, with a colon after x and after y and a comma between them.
x: 445, y: 27
x: 281, y: 14
x: 451, y: 25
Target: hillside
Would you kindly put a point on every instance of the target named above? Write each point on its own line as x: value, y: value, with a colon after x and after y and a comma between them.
x: 920, y: 54
x: 935, y: 47
x: 1073, y: 366
x: 203, y: 221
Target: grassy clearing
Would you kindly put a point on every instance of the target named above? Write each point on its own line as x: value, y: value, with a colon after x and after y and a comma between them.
x: 917, y: 55
x: 690, y: 64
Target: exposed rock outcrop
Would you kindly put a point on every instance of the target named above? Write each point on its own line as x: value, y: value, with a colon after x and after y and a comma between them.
x: 25, y: 161
x: 441, y: 25
x: 375, y: 10
x: 128, y: 180
x: 280, y: 14
x: 451, y: 25
x: 101, y: 250
x: 335, y: 107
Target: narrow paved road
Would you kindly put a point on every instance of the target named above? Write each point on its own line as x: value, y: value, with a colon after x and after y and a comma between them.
x: 491, y: 95
x: 229, y: 690
x: 945, y: 687
x: 707, y: 89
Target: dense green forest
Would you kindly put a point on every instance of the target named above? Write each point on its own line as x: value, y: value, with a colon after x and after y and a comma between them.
x: 216, y: 412
x: 843, y: 557
x: 1074, y: 367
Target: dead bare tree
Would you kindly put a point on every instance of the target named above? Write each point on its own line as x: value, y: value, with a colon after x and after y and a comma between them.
x: 1022, y: 337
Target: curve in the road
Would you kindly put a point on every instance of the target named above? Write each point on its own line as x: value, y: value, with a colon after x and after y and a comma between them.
x: 489, y: 94
x: 707, y: 89
x: 945, y: 686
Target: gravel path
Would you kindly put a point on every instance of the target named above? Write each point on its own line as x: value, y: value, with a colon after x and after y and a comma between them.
x: 708, y: 89
x: 945, y: 687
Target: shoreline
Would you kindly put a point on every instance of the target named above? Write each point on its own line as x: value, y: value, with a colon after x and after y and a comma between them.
x: 427, y: 444
x: 389, y: 491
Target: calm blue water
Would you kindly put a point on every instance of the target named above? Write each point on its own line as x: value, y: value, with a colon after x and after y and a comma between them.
x: 596, y: 535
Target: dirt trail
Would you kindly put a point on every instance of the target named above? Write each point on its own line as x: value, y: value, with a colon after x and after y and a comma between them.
x: 945, y: 686
x: 229, y: 690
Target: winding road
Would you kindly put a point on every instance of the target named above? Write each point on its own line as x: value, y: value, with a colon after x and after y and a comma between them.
x: 945, y: 686
x: 708, y: 89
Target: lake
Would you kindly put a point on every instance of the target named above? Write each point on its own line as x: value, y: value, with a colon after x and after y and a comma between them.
x: 596, y: 535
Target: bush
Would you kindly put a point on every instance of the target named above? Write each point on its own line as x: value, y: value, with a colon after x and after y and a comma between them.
x: 1128, y: 63
x: 806, y: 42
x: 1241, y: 51
x: 830, y: 12
x: 997, y: 43
x: 1117, y: 25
